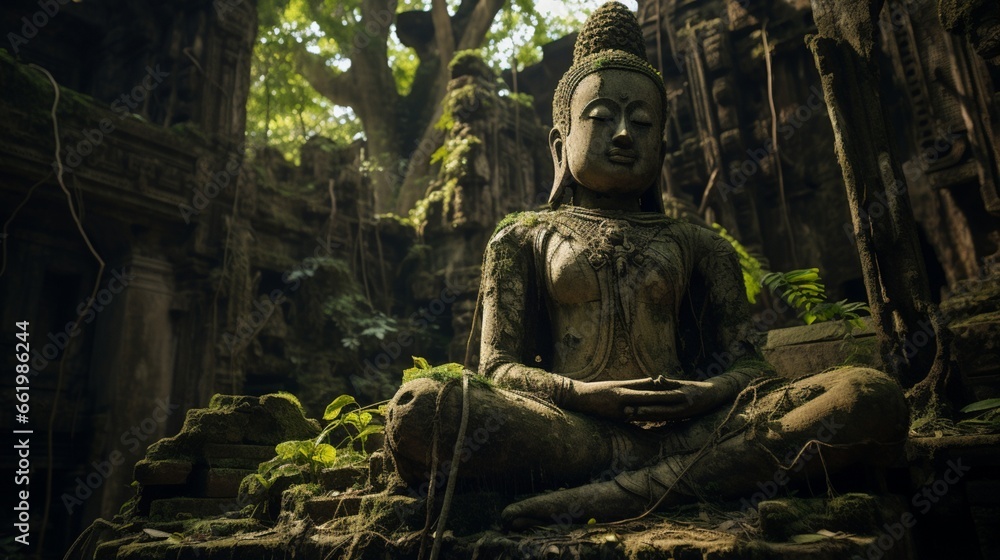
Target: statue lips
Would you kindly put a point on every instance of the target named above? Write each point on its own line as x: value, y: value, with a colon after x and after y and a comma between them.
x: 618, y: 155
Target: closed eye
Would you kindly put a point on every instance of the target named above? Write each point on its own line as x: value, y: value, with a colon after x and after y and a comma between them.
x: 600, y: 113
x: 641, y: 117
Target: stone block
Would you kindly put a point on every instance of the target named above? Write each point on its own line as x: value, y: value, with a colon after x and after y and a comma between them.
x: 109, y: 550
x: 221, y: 482
x: 325, y: 508
x: 859, y: 514
x: 169, y: 509
x: 237, y: 456
x: 212, y: 425
x: 342, y: 478
x: 162, y: 473
x: 376, y: 470
x: 278, y: 419
x: 798, y: 351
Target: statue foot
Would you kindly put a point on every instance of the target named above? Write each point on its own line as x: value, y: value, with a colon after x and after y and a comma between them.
x: 603, y: 501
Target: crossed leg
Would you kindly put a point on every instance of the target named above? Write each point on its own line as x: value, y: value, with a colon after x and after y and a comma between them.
x: 843, y: 417
x: 525, y: 441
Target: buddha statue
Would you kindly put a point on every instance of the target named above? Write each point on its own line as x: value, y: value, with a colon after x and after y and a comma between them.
x: 597, y: 317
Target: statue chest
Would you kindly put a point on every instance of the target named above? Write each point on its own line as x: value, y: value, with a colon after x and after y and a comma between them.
x: 613, y: 260
x: 612, y: 289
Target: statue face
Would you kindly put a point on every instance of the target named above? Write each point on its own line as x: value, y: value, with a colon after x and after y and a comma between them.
x: 614, y: 146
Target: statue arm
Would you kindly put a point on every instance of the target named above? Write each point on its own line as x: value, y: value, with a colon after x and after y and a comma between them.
x: 729, y: 315
x: 512, y: 311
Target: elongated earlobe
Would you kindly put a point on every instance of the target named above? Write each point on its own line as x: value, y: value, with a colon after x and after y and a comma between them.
x: 562, y: 177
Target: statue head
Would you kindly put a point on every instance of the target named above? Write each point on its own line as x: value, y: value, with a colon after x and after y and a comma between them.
x: 609, y: 111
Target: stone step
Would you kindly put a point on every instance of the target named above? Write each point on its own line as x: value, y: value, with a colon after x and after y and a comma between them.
x: 162, y: 473
x: 170, y: 509
x: 325, y: 508
x: 854, y: 513
x: 258, y: 453
x: 342, y: 478
x: 221, y: 483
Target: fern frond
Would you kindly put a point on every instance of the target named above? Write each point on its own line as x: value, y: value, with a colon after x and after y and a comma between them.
x: 802, y: 289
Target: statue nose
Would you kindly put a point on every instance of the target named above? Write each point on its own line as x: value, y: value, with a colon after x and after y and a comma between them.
x: 622, y: 138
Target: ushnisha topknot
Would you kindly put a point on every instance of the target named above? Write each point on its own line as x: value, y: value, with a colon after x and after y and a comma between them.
x: 610, y: 38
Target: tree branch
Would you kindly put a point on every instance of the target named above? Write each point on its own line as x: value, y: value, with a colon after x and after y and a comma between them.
x: 479, y: 23
x: 442, y: 32
x: 377, y: 16
x: 332, y: 84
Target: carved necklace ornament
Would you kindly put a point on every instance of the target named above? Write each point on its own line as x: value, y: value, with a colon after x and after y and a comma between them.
x: 614, y: 241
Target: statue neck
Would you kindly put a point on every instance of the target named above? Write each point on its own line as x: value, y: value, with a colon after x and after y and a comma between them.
x: 587, y: 198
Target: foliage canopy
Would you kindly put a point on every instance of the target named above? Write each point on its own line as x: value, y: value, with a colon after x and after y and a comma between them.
x: 284, y: 109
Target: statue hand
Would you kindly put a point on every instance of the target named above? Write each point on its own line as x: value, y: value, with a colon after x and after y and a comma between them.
x: 692, y: 398
x: 634, y: 399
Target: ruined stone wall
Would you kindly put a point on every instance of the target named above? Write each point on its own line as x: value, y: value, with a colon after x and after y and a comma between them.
x: 711, y: 56
x: 146, y: 151
x: 494, y: 161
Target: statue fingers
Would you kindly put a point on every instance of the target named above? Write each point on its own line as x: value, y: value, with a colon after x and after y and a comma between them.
x: 656, y: 413
x: 634, y: 397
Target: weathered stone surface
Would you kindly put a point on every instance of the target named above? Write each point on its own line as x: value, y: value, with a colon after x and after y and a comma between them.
x: 222, y: 444
x: 859, y: 514
x: 170, y: 509
x: 164, y: 472
x: 977, y: 348
x: 325, y: 508
x: 239, y: 456
x: 222, y: 482
x: 109, y: 550
x: 797, y: 351
x: 376, y: 470
x: 342, y: 478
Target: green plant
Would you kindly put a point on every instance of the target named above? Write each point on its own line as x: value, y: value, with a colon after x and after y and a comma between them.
x: 444, y: 372
x: 984, y: 418
x: 305, y: 459
x: 801, y: 289
x: 752, y: 266
x: 359, y: 324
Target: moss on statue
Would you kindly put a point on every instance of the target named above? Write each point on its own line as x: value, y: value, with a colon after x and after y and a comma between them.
x: 525, y: 219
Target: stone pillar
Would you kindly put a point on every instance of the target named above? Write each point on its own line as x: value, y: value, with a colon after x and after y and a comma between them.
x: 134, y: 355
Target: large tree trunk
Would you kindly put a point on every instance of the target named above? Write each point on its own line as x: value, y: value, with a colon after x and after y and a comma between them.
x: 370, y: 89
x: 891, y: 262
x: 473, y: 32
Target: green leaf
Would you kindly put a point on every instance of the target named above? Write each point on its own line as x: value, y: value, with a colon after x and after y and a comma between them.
x: 358, y: 419
x: 286, y: 450
x: 266, y: 466
x: 157, y: 534
x: 324, y: 454
x: 263, y: 481
x: 305, y: 449
x: 287, y: 469
x: 333, y: 409
x: 420, y: 363
x: 369, y: 430
x: 807, y: 538
x: 982, y: 405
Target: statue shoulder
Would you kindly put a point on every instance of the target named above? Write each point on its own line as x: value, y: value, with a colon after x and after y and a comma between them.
x: 700, y: 239
x: 518, y: 228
